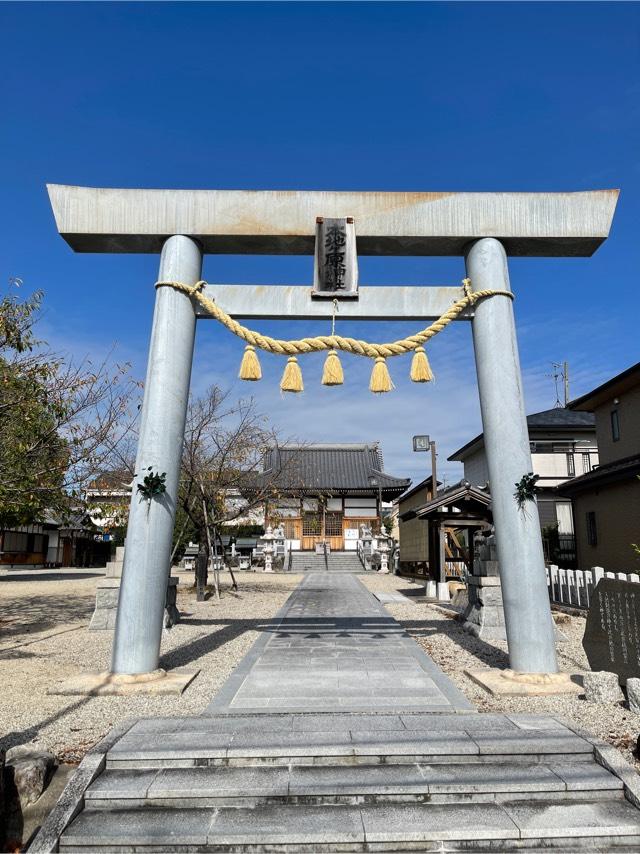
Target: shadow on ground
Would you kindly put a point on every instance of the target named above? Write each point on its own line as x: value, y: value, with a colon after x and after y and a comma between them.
x: 23, y: 615
x: 452, y: 629
x: 325, y: 627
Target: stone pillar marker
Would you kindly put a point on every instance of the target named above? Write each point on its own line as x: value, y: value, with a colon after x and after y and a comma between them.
x: 136, y: 645
x: 527, y: 612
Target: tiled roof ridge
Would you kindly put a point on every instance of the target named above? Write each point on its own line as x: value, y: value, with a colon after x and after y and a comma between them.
x: 328, y: 446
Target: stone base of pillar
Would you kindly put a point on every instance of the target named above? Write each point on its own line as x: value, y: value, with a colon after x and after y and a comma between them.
x: 443, y: 592
x: 484, y: 616
x: 510, y: 683
x: 430, y: 589
x: 119, y: 684
x: 108, y: 593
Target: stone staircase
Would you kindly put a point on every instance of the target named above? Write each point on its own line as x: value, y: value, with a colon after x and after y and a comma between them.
x: 336, y: 562
x: 353, y: 782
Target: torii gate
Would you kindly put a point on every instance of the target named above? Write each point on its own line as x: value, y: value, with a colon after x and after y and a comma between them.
x: 483, y: 227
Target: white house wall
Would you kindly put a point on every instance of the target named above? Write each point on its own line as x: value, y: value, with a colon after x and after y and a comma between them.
x: 475, y: 468
x: 552, y: 467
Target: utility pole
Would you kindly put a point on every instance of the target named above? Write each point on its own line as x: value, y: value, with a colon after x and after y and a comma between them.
x: 434, y: 474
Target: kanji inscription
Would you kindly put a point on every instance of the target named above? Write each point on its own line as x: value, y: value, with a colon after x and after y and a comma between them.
x: 612, y: 634
x: 336, y: 265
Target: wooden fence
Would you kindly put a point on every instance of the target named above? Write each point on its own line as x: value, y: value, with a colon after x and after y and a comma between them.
x: 575, y: 586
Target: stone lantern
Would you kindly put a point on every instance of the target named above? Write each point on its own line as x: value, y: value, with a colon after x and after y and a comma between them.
x: 269, y: 548
x: 383, y: 551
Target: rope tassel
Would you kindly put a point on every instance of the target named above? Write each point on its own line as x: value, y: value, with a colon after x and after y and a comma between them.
x: 380, y: 381
x: 420, y: 368
x: 250, y: 366
x: 332, y: 373
x: 292, y: 376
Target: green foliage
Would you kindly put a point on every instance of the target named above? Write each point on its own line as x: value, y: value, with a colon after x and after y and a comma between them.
x: 16, y: 322
x: 152, y: 484
x: 242, y: 530
x: 526, y: 489
x: 32, y: 453
x: 60, y: 422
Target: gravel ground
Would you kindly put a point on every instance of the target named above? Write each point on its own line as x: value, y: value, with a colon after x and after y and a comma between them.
x: 44, y: 639
x: 442, y: 637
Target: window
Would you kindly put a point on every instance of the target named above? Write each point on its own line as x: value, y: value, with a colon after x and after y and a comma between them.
x: 311, y: 525
x: 592, y: 531
x: 15, y: 541
x: 289, y: 527
x: 333, y: 524
x: 571, y: 468
x: 586, y: 463
x: 615, y: 425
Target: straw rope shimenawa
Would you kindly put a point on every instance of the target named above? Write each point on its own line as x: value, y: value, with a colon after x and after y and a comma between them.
x: 292, y: 377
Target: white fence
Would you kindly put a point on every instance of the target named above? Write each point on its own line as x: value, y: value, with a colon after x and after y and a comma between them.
x: 575, y: 586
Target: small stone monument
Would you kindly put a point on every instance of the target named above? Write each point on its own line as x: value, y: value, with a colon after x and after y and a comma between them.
x: 484, y: 616
x: 108, y: 592
x: 612, y: 633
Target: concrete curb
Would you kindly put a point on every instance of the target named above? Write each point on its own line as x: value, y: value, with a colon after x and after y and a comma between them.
x: 71, y: 801
x: 611, y: 759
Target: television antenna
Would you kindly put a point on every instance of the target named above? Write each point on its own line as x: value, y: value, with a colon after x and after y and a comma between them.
x: 560, y: 374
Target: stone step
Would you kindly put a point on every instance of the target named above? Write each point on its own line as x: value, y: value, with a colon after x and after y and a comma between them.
x: 210, y: 746
x: 211, y: 786
x: 564, y: 825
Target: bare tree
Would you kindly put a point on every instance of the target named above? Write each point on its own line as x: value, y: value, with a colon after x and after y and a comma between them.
x: 224, y: 450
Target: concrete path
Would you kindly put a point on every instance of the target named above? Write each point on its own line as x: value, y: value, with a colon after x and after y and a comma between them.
x: 336, y: 648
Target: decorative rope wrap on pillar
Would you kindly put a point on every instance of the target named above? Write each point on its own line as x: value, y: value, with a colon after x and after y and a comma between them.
x: 380, y: 379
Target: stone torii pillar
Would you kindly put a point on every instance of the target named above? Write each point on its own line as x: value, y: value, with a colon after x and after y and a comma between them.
x: 484, y: 227
x: 529, y: 626
x: 147, y: 557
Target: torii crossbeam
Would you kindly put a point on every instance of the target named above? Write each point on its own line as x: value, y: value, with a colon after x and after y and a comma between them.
x: 484, y: 227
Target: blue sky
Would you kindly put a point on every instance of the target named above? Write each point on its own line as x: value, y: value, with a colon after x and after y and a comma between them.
x: 418, y: 96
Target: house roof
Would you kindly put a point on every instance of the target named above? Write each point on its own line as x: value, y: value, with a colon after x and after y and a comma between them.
x: 557, y: 419
x: 459, y: 495
x: 330, y: 468
x: 624, y: 469
x: 423, y: 485
x: 111, y: 480
x: 616, y: 385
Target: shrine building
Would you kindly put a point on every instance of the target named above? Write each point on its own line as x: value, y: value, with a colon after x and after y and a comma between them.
x: 323, y: 493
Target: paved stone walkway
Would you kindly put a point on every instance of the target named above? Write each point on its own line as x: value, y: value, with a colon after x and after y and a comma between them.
x: 336, y: 647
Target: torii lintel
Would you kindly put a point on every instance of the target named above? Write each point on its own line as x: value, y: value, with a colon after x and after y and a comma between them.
x: 277, y: 222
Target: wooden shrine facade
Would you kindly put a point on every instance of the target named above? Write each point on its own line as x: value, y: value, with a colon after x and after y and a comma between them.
x: 324, y: 492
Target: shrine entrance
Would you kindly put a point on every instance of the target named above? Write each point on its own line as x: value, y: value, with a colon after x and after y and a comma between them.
x: 484, y: 228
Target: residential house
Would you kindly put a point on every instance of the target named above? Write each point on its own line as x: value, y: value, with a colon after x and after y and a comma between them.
x: 324, y: 492
x: 606, y: 499
x: 47, y: 543
x: 412, y: 532
x: 563, y: 446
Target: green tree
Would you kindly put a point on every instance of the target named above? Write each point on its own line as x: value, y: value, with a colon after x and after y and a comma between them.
x: 61, y: 422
